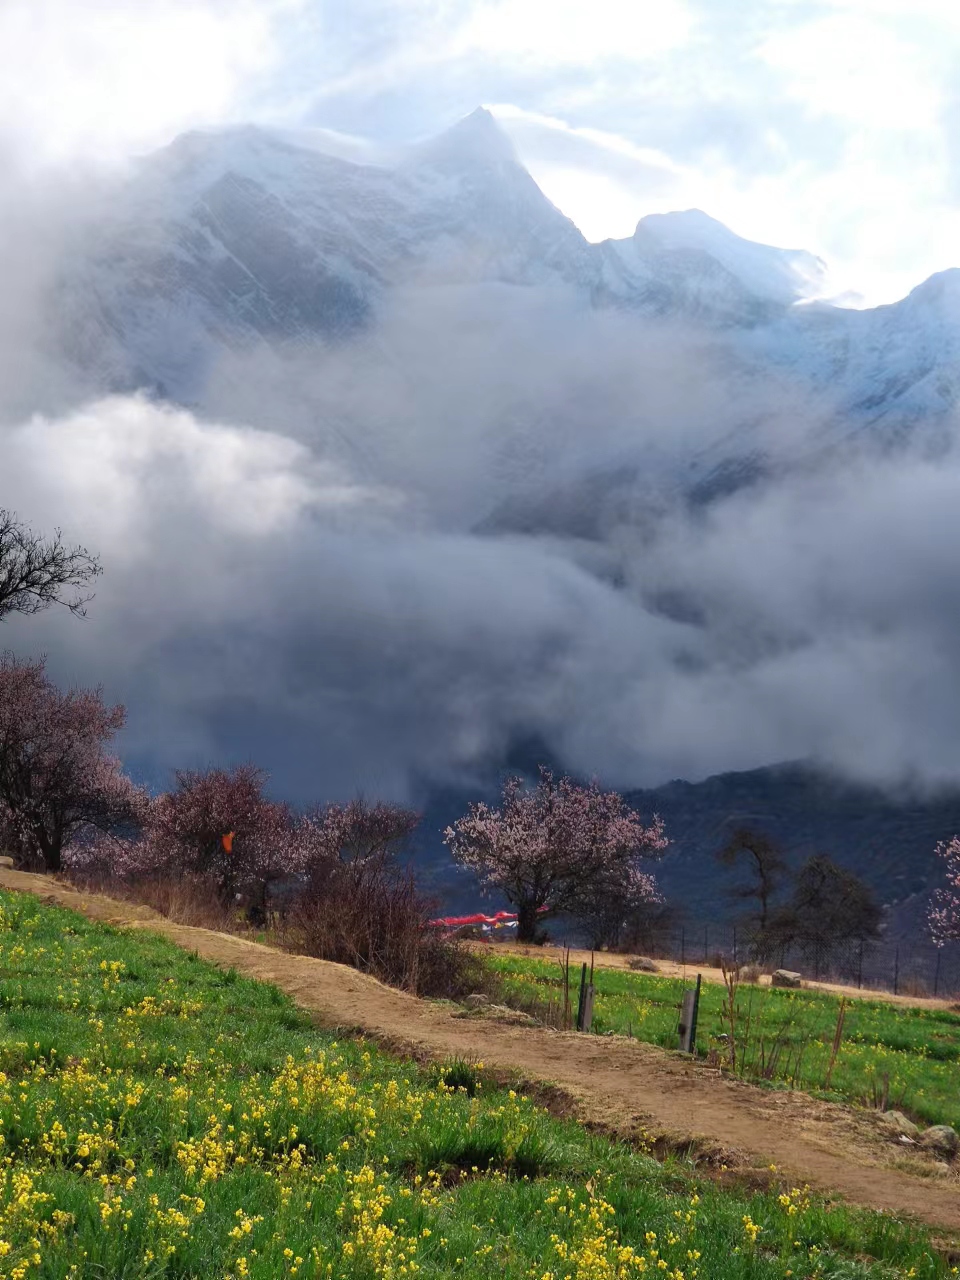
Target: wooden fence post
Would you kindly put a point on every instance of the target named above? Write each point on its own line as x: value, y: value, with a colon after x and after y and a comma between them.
x: 688, y: 1018
x: 581, y: 1003
x: 696, y: 1012
x: 587, y: 1008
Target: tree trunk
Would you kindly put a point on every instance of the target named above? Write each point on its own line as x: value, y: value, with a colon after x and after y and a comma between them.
x: 526, y: 922
x: 257, y: 906
x: 764, y: 896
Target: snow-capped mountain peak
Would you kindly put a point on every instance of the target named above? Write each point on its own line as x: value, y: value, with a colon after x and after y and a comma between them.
x: 238, y: 236
x: 941, y: 291
x: 780, y: 275
x: 476, y: 141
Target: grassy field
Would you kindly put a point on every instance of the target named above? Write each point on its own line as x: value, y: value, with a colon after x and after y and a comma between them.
x: 911, y: 1054
x: 159, y: 1117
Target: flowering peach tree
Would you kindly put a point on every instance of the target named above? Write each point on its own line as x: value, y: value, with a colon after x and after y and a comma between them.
x: 557, y: 848
x: 354, y: 832
x: 945, y: 910
x: 57, y: 782
x: 186, y: 828
x: 219, y: 825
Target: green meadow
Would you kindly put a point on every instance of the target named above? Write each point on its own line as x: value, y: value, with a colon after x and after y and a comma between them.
x: 908, y: 1056
x: 162, y: 1118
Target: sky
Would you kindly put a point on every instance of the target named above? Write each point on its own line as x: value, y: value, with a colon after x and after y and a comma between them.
x: 384, y: 561
x: 829, y: 125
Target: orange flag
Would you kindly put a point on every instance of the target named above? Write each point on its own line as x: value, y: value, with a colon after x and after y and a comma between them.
x: 227, y: 842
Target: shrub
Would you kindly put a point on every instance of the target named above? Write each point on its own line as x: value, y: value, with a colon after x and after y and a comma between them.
x: 370, y: 915
x: 187, y: 899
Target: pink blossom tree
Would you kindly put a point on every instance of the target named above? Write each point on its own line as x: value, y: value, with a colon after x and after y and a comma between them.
x: 557, y: 848
x: 57, y: 782
x: 353, y: 832
x: 343, y: 851
x: 220, y: 826
x: 185, y: 832
x: 944, y: 914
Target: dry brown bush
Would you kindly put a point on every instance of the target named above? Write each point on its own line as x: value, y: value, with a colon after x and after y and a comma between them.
x: 185, y: 899
x: 370, y: 915
x: 366, y: 914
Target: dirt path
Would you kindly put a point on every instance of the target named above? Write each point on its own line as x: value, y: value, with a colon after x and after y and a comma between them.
x: 621, y: 1085
x: 671, y: 969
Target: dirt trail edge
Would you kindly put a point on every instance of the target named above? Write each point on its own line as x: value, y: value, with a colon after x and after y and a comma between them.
x: 620, y: 1085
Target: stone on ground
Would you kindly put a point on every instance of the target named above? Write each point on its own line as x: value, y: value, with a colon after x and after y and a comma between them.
x: 786, y: 978
x: 941, y: 1139
x: 899, y: 1124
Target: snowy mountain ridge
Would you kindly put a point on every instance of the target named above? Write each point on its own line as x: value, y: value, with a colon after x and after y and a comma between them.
x: 239, y: 236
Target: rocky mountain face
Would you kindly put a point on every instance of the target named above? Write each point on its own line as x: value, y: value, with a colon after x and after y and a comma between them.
x: 234, y: 237
x: 887, y: 838
x: 229, y: 238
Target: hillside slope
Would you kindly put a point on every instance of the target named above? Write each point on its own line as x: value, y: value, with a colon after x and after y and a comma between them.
x: 618, y: 1085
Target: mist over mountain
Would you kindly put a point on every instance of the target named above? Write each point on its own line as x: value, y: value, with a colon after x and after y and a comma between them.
x: 391, y: 469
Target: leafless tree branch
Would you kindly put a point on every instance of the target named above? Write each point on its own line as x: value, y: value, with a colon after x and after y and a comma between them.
x: 35, y: 574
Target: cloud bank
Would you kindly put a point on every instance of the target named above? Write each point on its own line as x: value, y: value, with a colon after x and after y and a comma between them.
x: 384, y: 564
x: 94, y: 81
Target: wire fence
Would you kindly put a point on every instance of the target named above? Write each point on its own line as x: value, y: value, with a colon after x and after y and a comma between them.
x: 904, y: 968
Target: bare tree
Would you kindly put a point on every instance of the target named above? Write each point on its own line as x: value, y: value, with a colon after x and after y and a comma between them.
x: 35, y: 574
x: 767, y: 870
x: 829, y: 908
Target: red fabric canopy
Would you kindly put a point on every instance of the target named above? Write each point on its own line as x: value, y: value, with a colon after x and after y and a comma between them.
x: 479, y: 918
x: 454, y: 922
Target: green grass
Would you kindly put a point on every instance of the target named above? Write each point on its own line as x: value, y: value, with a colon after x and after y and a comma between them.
x: 917, y: 1049
x: 162, y: 1118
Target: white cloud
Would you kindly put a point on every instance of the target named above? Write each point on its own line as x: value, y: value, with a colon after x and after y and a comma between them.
x: 862, y: 70
x: 570, y: 32
x: 603, y: 181
x: 481, y: 40
x: 123, y: 460
x: 879, y: 215
x: 257, y: 602
x: 103, y: 77
x: 911, y: 12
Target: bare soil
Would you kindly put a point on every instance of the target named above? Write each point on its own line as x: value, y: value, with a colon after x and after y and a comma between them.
x: 620, y: 1086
